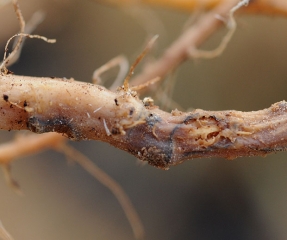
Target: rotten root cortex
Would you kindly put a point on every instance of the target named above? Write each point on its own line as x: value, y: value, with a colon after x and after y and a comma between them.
x: 60, y: 125
x: 164, y: 142
x: 167, y: 141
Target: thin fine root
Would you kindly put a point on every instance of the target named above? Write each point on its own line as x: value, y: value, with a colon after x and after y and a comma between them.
x: 22, y: 34
x: 35, y: 20
x: 4, y: 235
x: 18, y: 44
x: 145, y: 85
x: 231, y: 25
x: 111, y: 184
x: 98, y: 109
x: 120, y: 61
x: 11, y: 182
x: 6, y: 60
x: 108, y: 132
x: 139, y: 58
x: 22, y: 26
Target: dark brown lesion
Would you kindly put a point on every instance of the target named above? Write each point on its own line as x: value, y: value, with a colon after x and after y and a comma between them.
x: 200, y: 134
x: 5, y: 97
x: 57, y: 124
x: 164, y: 144
x: 143, y: 144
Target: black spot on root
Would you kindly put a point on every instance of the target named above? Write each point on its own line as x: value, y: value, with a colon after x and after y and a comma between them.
x: 132, y: 109
x: 5, y: 97
x: 58, y: 124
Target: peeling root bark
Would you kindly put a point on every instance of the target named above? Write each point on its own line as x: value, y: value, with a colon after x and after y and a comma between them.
x: 82, y: 111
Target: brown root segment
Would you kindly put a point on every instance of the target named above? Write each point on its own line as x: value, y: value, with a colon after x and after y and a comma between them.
x: 83, y: 111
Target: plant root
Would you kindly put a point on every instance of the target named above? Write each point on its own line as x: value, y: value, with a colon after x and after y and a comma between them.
x: 140, y: 128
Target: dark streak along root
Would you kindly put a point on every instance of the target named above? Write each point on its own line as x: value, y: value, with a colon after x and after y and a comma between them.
x: 59, y: 125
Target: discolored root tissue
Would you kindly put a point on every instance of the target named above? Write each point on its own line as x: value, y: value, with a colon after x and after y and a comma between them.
x: 82, y: 111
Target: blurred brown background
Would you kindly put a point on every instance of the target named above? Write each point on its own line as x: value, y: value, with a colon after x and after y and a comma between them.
x: 200, y: 199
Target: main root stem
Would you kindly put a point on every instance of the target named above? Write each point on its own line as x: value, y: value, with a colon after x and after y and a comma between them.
x: 160, y: 138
